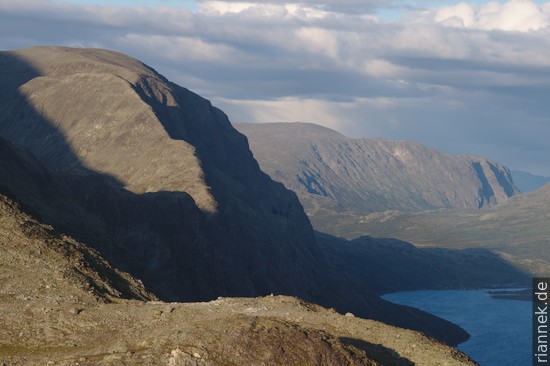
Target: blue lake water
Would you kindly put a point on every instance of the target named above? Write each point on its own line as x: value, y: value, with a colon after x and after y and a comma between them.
x: 500, y: 329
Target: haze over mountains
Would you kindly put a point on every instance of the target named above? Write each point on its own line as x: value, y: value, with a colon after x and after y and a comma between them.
x: 328, y: 170
x: 152, y: 176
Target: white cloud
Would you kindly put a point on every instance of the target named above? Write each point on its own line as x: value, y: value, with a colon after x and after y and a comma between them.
x: 383, y: 68
x: 223, y: 7
x: 317, y: 41
x: 326, y: 113
x: 176, y: 48
x: 514, y: 15
x: 265, y: 10
x: 314, y: 7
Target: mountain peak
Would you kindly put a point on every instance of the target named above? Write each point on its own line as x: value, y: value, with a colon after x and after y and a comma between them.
x: 109, y: 125
x: 55, y: 61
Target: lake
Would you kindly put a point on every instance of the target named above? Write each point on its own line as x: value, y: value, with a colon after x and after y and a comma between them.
x: 500, y: 329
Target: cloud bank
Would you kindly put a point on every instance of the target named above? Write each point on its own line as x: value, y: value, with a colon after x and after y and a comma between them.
x: 465, y: 77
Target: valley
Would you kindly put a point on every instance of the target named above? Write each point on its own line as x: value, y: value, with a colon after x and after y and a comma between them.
x: 472, y: 202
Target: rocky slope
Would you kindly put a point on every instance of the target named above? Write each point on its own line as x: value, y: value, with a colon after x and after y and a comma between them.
x: 329, y: 171
x: 40, y: 264
x: 156, y: 179
x: 61, y: 303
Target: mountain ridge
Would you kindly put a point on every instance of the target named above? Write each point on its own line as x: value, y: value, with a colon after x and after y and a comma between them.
x: 98, y: 166
x: 391, y: 265
x: 329, y: 170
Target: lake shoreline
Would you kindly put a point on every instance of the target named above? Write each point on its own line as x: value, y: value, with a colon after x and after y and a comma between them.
x: 495, y: 319
x: 519, y: 295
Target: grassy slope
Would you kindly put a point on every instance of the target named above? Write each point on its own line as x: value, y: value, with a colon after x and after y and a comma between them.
x: 517, y: 229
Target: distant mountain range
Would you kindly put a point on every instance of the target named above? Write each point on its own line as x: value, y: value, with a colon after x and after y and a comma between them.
x: 330, y: 171
x: 105, y: 150
x: 354, y: 188
x: 527, y: 182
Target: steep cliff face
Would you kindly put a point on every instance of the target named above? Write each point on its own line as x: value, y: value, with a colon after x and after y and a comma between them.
x: 328, y: 169
x: 161, y: 167
x: 160, y: 183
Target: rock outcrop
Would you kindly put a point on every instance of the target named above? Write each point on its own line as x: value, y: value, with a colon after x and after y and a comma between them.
x: 162, y: 169
x: 40, y: 264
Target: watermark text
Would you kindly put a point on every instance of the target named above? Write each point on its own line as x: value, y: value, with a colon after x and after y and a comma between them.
x: 541, y: 290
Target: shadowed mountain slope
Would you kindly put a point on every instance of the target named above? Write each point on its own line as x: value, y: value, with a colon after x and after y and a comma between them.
x: 159, y: 166
x: 330, y: 171
x: 159, y: 182
x: 40, y: 263
x: 391, y: 265
x: 59, y: 298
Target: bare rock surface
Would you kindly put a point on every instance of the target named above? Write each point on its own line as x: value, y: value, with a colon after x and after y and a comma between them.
x: 263, y: 331
x: 41, y: 264
x: 93, y: 99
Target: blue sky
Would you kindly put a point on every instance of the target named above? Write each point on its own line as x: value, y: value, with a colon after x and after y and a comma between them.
x: 462, y: 77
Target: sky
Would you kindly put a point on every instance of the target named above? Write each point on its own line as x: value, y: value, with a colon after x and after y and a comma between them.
x: 461, y: 77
